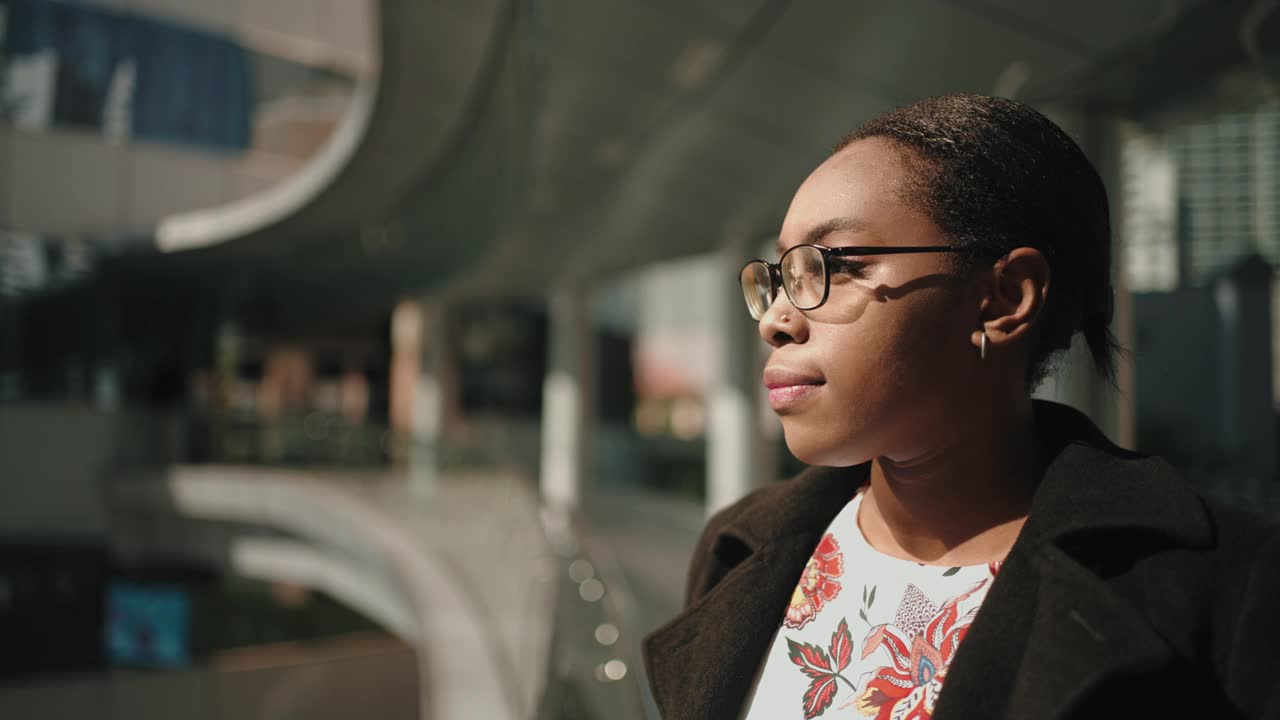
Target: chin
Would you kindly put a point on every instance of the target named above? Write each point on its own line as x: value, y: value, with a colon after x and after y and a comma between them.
x: 824, y: 448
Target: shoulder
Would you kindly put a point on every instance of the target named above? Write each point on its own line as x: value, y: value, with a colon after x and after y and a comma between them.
x: 1167, y: 530
x: 1239, y: 543
x: 1245, y: 574
x: 1245, y: 562
x: 1238, y: 532
x: 1214, y: 599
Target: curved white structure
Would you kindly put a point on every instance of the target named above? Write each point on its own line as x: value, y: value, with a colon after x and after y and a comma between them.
x: 210, y: 226
x: 425, y: 569
x: 406, y: 116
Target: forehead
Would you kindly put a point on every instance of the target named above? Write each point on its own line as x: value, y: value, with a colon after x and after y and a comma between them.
x: 858, y: 187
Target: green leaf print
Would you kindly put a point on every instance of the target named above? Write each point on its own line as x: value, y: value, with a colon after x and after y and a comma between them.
x: 951, y: 572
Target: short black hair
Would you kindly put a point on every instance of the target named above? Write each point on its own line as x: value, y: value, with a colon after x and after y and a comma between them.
x: 995, y: 175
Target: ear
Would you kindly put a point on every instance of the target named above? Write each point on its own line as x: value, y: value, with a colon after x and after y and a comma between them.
x: 1016, y: 289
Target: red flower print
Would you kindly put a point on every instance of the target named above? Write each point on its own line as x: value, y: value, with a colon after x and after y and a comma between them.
x: 814, y: 662
x: 817, y: 584
x: 920, y: 644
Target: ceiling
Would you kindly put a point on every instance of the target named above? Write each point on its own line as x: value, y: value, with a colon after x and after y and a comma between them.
x: 524, y: 146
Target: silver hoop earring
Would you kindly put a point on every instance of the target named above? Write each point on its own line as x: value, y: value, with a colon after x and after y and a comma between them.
x: 982, y: 352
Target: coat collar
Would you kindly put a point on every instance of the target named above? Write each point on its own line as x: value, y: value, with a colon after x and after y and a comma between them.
x: 702, y: 662
x: 1090, y: 485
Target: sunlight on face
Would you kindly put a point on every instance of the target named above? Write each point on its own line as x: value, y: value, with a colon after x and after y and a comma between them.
x: 891, y: 343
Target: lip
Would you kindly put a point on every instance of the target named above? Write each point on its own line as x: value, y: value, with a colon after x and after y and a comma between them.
x: 788, y: 388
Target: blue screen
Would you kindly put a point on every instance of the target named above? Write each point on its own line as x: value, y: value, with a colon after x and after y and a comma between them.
x: 148, y: 625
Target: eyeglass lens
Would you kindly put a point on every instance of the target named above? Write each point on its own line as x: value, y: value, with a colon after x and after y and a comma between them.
x: 803, y: 277
x: 757, y: 289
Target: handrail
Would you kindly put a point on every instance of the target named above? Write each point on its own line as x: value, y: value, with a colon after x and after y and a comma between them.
x: 591, y: 671
x: 623, y: 605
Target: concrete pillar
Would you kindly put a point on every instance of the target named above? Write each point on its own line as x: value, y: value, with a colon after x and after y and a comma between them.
x: 436, y: 380
x: 421, y: 378
x: 568, y: 399
x: 737, y: 459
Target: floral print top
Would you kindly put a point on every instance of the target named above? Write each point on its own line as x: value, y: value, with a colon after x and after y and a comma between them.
x: 865, y: 634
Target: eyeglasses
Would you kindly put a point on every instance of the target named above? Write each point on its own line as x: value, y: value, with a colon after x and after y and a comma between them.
x: 804, y: 272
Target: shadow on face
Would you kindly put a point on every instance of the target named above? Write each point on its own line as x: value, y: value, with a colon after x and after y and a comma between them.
x: 847, y: 303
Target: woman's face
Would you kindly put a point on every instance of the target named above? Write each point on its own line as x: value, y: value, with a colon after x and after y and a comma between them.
x: 886, y: 366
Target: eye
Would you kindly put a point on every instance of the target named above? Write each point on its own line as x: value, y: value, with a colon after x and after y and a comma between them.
x: 847, y: 267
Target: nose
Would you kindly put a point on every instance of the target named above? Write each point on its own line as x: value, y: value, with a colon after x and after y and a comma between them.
x: 782, y: 324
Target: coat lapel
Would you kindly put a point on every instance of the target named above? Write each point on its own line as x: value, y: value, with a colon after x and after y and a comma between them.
x: 1048, y: 632
x: 702, y: 663
x: 1051, y: 628
x: 1083, y: 636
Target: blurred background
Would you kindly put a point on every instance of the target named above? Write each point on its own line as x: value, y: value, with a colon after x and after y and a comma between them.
x: 382, y: 358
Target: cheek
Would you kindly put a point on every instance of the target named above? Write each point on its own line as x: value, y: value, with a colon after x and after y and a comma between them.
x: 899, y: 360
x: 862, y: 396
x: 889, y: 376
x: 886, y: 340
x: 931, y: 356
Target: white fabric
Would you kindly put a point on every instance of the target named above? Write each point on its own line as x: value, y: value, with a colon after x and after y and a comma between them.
x: 866, y: 634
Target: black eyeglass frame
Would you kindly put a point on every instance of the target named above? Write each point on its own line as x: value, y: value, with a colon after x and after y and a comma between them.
x: 775, y: 269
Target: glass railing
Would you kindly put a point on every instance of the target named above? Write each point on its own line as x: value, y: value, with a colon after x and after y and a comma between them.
x: 574, y: 649
x: 592, y: 666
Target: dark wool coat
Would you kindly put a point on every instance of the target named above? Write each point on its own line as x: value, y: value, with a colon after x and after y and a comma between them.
x: 1125, y: 595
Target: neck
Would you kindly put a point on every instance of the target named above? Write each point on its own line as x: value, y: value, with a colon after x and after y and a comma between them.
x: 962, y: 502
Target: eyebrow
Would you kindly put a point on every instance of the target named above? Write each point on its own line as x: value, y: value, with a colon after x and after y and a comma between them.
x: 815, y: 235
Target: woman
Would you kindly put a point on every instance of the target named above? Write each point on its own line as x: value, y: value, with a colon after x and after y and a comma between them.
x: 959, y: 550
